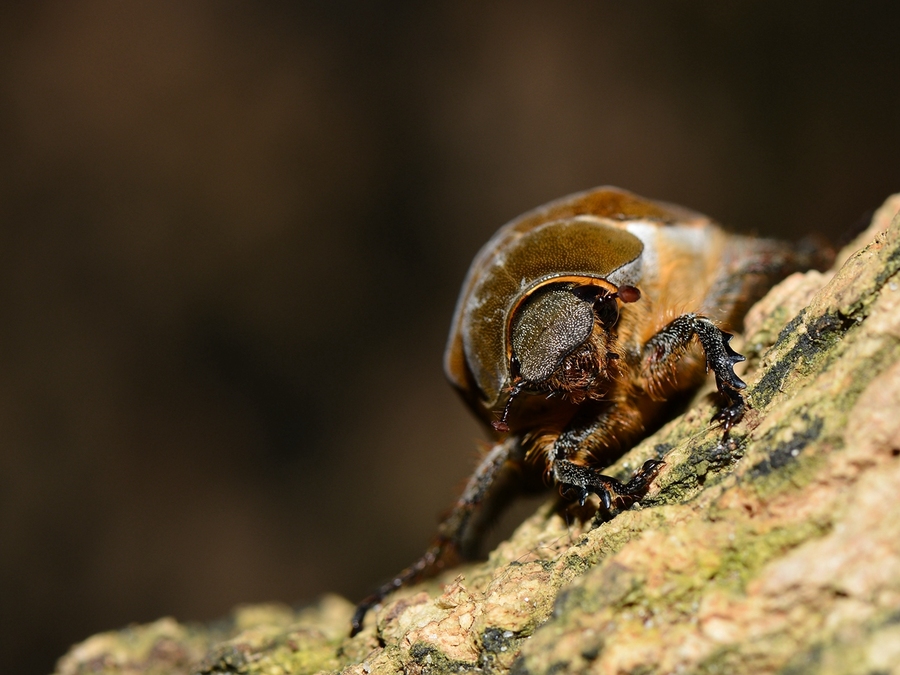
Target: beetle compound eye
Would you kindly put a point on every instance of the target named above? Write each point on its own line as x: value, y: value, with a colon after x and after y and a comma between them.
x: 607, y: 311
x: 548, y: 328
x: 514, y: 367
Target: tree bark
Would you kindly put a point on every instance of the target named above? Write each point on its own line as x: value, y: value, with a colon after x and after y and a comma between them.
x: 776, y: 549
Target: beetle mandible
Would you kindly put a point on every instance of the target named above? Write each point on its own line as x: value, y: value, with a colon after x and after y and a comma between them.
x: 576, y: 323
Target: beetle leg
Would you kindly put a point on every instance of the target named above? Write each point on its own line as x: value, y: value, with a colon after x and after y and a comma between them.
x: 488, y: 490
x: 496, y: 481
x: 672, y: 341
x: 430, y: 562
x: 591, y: 428
x: 581, y: 480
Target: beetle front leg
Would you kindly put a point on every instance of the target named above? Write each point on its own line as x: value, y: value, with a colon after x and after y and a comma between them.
x: 599, y: 428
x: 489, y: 489
x: 613, y: 493
x: 672, y: 341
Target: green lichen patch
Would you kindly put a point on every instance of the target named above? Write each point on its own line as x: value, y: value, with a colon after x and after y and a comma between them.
x: 805, y: 344
x: 788, y: 451
x: 499, y: 649
x: 702, y: 556
x: 698, y: 463
x: 163, y: 647
x: 298, y: 651
x: 766, y: 321
x: 424, y: 659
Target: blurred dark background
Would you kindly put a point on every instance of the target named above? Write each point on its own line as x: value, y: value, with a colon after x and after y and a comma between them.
x: 231, y: 237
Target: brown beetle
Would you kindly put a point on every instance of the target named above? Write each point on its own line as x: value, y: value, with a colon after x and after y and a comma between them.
x: 576, y: 324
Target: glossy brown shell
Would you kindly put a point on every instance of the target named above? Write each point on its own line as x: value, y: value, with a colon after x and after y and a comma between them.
x: 582, y: 237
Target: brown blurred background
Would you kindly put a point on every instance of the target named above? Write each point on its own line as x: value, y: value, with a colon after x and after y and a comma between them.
x: 231, y: 236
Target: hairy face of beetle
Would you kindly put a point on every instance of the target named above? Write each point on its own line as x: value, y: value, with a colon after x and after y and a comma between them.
x: 560, y: 340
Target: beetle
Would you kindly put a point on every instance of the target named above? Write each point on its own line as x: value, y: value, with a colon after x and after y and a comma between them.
x: 576, y: 325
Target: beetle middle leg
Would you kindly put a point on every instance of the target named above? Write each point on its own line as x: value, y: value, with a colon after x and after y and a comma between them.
x: 666, y: 346
x: 491, y: 487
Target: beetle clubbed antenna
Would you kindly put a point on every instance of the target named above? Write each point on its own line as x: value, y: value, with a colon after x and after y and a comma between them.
x: 627, y: 294
x: 501, y: 425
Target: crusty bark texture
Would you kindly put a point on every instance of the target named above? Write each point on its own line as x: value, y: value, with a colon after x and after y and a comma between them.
x: 776, y: 550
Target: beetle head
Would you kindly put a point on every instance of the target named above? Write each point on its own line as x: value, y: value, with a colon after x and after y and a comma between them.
x: 561, y: 342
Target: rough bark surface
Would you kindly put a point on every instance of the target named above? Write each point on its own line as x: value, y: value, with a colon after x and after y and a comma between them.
x: 774, y: 550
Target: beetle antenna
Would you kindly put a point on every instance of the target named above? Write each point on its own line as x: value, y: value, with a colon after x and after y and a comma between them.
x: 501, y: 425
x: 627, y: 294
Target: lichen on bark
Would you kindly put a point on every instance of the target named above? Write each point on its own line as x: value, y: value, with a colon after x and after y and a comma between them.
x: 774, y: 550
